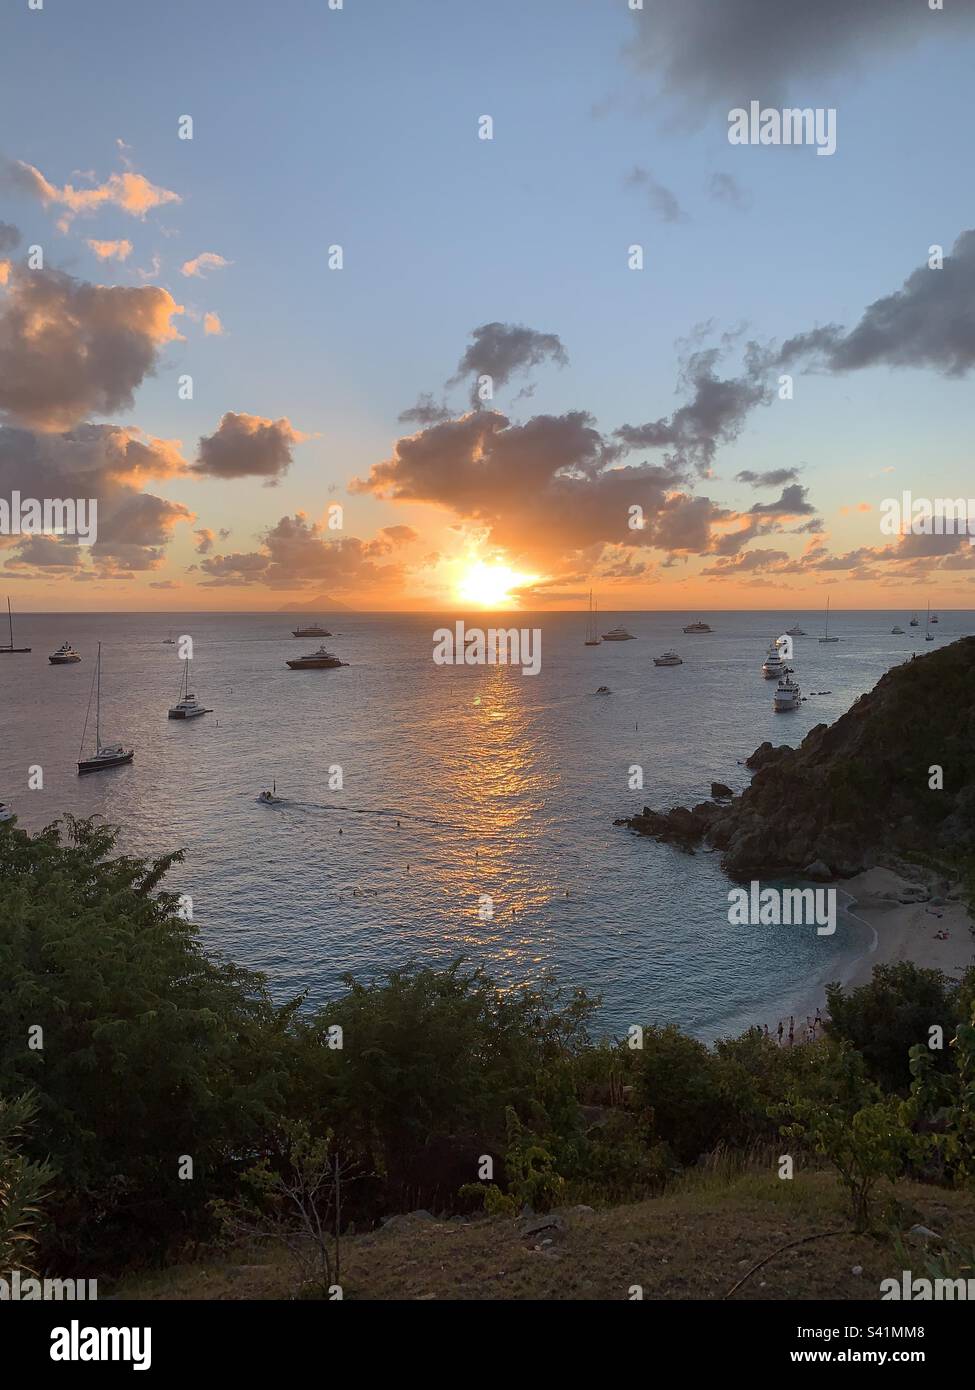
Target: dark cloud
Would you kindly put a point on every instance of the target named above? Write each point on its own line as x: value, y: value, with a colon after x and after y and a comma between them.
x: 247, y: 446
x: 725, y: 188
x: 662, y: 202
x: 9, y: 237
x: 425, y: 412
x: 773, y: 477
x: 715, y: 414
x: 722, y: 53
x: 929, y: 322
x: 295, y: 553
x: 69, y: 349
x: 503, y: 350
x: 792, y: 502
x: 108, y: 464
x: 545, y: 490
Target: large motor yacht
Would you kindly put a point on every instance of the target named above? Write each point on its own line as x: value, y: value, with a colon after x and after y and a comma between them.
x: 697, y: 627
x: 313, y: 630
x: 321, y: 660
x: 64, y: 656
x: 668, y: 659
x: 787, y: 695
x: 772, y: 666
x: 618, y: 634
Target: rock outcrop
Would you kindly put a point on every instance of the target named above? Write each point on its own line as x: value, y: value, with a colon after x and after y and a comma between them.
x: 856, y: 793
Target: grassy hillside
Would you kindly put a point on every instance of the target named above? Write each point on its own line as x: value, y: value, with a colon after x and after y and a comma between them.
x: 694, y: 1243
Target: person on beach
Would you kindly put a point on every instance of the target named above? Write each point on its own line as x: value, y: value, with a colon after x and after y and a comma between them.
x: 792, y: 1030
x: 780, y: 1032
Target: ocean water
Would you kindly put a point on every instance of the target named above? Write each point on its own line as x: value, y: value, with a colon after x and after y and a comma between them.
x: 460, y: 784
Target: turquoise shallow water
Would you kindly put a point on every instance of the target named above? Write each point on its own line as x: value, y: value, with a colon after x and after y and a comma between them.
x: 504, y: 786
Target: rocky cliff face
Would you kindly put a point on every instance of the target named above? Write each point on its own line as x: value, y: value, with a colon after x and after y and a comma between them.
x: 857, y: 792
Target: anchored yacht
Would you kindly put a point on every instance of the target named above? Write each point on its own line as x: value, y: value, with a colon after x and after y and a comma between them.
x: 697, y: 627
x: 64, y: 656
x: 787, y: 695
x: 618, y: 634
x: 772, y: 666
x: 321, y: 660
x: 187, y: 706
x: 108, y: 754
x: 897, y: 632
x: 668, y: 659
x: 313, y: 630
x: 795, y: 631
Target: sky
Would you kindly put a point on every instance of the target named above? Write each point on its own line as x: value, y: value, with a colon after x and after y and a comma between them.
x: 337, y: 345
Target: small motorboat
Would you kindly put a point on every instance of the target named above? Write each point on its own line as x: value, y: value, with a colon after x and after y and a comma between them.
x: 270, y: 798
x: 668, y: 659
x: 322, y: 660
x: 897, y: 632
x: 64, y: 656
x: 169, y: 641
x: 934, y: 617
x: 603, y: 690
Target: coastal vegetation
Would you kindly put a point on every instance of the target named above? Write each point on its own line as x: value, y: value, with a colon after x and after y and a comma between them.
x: 150, y: 1088
x: 892, y: 780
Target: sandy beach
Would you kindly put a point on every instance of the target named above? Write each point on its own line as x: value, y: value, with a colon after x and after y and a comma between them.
x: 893, y: 931
x: 907, y: 931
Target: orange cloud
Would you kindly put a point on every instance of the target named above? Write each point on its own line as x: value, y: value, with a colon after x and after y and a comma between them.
x: 111, y: 250
x: 207, y: 260
x: 133, y: 193
x: 212, y: 325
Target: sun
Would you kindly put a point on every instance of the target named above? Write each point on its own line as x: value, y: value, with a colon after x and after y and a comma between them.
x: 490, y: 585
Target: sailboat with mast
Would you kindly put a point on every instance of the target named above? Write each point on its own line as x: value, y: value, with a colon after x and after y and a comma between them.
x: 187, y: 706
x: 826, y: 637
x: 9, y: 646
x: 592, y: 636
x: 105, y: 755
x: 928, y: 634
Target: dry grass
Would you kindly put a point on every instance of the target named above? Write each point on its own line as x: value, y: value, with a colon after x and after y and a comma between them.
x: 695, y: 1243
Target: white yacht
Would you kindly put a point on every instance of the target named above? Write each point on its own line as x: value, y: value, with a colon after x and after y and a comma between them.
x: 668, y: 659
x: 697, y: 627
x: 772, y: 666
x: 795, y: 631
x: 897, y: 632
x: 787, y: 695
x: 618, y: 634
x: 64, y: 655
x: 187, y: 706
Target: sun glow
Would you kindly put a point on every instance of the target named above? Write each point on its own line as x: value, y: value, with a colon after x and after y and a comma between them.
x: 490, y: 585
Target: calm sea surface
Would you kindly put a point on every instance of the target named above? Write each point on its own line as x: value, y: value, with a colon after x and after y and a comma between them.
x: 502, y: 785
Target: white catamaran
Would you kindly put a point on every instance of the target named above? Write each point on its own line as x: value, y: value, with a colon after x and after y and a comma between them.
x: 187, y: 706
x: 105, y: 755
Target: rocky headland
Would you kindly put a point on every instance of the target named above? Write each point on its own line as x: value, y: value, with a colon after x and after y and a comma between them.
x: 891, y: 781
